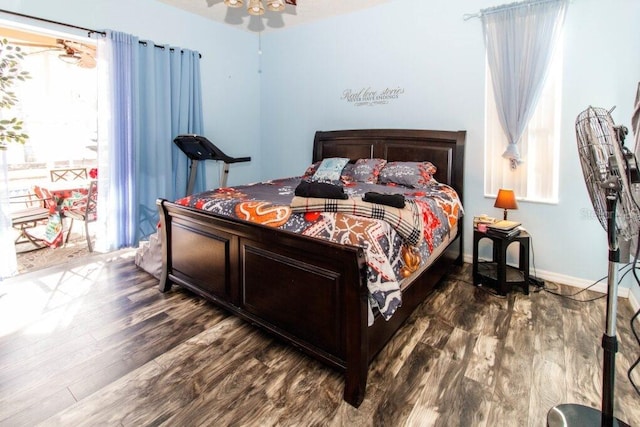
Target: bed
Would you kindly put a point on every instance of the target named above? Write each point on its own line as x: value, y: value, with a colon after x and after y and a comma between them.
x: 316, y: 297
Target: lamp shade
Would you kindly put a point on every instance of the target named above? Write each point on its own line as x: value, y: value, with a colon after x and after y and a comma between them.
x: 255, y: 7
x: 234, y: 3
x: 506, y: 200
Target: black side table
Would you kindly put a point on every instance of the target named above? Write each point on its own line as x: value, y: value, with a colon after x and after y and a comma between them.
x: 497, y: 272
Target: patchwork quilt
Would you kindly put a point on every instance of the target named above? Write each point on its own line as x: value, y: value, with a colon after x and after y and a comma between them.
x: 396, y: 242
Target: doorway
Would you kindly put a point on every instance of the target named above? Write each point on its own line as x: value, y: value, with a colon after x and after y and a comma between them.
x: 58, y: 106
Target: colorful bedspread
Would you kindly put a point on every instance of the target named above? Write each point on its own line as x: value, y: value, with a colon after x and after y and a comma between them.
x: 392, y: 253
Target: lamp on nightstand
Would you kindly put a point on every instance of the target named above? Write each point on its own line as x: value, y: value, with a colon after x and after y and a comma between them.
x: 506, y: 200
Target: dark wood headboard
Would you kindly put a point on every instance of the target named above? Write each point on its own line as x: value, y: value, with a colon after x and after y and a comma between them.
x: 445, y: 149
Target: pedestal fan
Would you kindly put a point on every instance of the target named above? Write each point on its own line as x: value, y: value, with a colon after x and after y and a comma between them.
x: 609, y: 169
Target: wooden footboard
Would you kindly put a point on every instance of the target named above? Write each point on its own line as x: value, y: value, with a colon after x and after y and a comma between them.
x: 309, y: 292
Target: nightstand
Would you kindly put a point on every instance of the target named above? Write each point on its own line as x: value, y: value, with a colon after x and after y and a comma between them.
x: 496, y: 272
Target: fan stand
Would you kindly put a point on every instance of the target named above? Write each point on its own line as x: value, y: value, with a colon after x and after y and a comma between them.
x: 572, y: 414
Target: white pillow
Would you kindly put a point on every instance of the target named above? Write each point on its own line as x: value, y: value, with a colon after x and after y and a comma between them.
x: 330, y: 169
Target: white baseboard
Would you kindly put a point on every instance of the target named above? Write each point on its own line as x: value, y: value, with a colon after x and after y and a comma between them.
x: 578, y: 283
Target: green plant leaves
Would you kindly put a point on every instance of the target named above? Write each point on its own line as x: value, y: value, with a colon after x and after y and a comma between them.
x: 10, y: 73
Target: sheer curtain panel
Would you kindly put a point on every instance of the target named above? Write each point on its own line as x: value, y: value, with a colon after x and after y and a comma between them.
x: 536, y: 179
x: 519, y: 40
x: 117, y: 126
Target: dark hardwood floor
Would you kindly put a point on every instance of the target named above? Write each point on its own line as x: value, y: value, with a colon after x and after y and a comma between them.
x: 95, y: 343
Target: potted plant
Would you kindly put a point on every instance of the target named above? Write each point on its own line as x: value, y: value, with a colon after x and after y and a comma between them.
x: 10, y: 73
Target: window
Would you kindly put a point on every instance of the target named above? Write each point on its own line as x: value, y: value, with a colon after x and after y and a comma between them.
x: 536, y: 179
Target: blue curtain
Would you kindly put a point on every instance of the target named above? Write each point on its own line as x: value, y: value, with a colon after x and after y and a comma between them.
x: 153, y: 95
x: 117, y: 125
x: 186, y: 115
x: 519, y: 40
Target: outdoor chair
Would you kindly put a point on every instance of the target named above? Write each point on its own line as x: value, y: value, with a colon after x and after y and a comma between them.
x: 69, y: 174
x: 86, y: 210
x: 28, y: 211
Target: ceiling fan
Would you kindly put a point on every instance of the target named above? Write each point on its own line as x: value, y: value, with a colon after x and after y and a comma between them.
x: 72, y: 52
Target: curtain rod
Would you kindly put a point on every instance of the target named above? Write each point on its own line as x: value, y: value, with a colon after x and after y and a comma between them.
x: 495, y: 9
x: 88, y: 30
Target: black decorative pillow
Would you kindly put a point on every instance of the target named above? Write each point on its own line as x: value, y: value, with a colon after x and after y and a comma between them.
x: 409, y: 174
x: 322, y: 190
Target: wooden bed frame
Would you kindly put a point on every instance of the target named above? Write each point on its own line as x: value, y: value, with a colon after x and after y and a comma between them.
x: 309, y: 292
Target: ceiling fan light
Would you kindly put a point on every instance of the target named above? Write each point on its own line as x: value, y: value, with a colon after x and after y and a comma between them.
x: 234, y: 3
x: 275, y: 5
x: 255, y: 8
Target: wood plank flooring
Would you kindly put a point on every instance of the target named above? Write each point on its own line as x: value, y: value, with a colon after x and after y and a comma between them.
x: 95, y: 343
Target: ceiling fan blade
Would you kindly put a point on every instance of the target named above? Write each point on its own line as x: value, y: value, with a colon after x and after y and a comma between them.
x: 86, y: 61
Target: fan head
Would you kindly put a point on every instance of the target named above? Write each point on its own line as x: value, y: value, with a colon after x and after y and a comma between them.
x: 604, y: 164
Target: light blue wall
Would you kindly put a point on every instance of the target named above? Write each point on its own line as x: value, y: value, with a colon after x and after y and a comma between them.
x: 230, y: 82
x: 424, y: 47
x: 438, y: 58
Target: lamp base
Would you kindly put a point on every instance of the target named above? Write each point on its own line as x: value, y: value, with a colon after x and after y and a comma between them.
x: 570, y: 414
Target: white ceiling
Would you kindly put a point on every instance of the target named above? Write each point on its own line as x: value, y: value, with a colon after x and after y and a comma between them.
x: 306, y: 11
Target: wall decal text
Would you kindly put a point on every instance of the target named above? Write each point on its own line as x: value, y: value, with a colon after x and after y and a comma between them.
x: 370, y: 97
